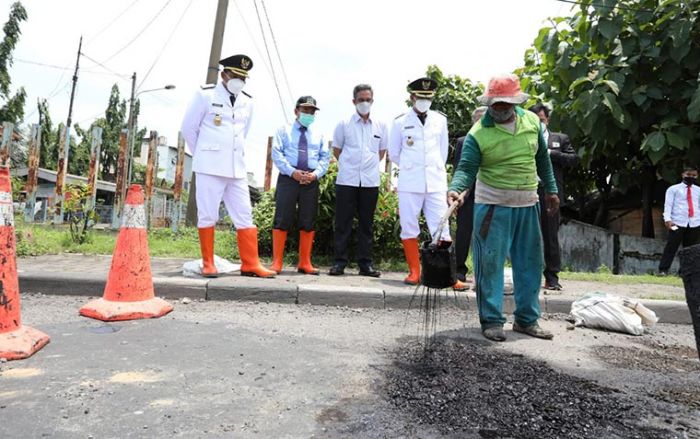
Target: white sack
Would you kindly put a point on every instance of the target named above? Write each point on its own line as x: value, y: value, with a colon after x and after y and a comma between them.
x: 194, y: 268
x: 607, y: 311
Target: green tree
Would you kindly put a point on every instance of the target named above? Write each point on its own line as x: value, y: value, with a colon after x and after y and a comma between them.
x: 112, y: 124
x: 623, y: 78
x: 13, y: 108
x: 48, y: 155
x: 79, y: 160
x: 456, y: 97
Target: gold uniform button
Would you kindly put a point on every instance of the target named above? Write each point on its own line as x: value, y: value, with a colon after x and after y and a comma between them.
x: 409, y: 142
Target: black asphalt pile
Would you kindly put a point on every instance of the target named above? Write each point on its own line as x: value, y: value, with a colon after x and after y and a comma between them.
x: 466, y: 386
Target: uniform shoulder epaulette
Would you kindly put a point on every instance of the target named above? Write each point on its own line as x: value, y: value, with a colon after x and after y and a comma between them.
x: 207, y: 86
x: 399, y: 116
x: 246, y: 94
x: 440, y: 112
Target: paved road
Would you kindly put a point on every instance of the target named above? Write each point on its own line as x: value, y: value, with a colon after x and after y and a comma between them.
x: 240, y: 369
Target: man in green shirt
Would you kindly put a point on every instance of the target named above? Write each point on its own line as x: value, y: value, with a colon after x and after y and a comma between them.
x: 505, y: 153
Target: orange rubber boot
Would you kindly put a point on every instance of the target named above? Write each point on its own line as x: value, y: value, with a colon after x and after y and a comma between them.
x: 206, y: 244
x: 410, y: 249
x: 306, y: 243
x: 248, y: 252
x: 460, y: 286
x: 279, y: 237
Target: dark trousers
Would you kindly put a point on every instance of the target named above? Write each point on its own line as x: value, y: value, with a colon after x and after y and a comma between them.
x: 684, y: 235
x: 550, y: 238
x: 465, y: 224
x: 289, y: 195
x: 350, y: 200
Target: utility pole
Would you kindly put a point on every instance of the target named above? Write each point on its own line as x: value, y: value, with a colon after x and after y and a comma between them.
x: 64, y: 146
x: 177, y: 187
x: 32, y: 173
x: 212, y: 78
x: 130, y: 126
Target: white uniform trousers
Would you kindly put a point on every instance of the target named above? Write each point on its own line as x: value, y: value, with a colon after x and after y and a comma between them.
x: 211, y: 189
x: 433, y: 205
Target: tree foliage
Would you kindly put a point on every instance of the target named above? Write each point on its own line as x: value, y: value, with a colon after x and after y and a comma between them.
x: 456, y: 97
x: 623, y: 78
x: 12, y: 109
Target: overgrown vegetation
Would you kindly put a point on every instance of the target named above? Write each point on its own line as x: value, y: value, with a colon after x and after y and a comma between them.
x: 80, y: 214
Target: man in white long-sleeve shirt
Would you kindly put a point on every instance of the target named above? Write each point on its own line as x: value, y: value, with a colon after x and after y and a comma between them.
x: 681, y: 216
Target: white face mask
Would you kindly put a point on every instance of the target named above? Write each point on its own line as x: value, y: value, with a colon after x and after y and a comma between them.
x: 422, y: 105
x: 363, y: 107
x: 235, y: 85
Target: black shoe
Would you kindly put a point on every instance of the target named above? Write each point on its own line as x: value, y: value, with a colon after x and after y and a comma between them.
x: 368, y: 270
x: 554, y: 286
x: 337, y: 270
x: 462, y: 277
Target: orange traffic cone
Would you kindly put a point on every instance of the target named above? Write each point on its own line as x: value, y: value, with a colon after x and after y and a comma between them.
x: 129, y: 291
x: 16, y: 341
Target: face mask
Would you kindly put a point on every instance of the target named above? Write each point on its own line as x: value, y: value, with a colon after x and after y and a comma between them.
x: 235, y: 85
x: 306, y: 119
x: 501, y: 116
x: 422, y: 105
x: 689, y: 180
x: 363, y: 107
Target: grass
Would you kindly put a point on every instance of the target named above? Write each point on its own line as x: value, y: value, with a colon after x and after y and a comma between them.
x: 36, y: 240
x: 618, y: 279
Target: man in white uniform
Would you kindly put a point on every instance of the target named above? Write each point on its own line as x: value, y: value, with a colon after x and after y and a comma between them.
x: 215, y: 127
x: 418, y: 144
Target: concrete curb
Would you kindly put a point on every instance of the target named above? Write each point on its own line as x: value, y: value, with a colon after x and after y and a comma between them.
x: 231, y: 288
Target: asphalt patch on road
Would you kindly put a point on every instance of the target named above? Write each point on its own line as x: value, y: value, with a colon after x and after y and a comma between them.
x: 464, y: 386
x: 655, y: 358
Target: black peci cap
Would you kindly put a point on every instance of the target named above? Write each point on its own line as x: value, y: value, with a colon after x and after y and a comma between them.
x: 423, y: 87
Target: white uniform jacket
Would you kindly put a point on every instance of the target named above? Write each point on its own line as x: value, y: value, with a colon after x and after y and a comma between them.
x: 215, y: 131
x: 420, y: 151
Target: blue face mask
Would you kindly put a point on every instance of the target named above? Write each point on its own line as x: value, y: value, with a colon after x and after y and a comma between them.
x: 306, y: 119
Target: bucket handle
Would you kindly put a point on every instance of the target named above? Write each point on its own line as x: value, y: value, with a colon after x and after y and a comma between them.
x: 446, y: 218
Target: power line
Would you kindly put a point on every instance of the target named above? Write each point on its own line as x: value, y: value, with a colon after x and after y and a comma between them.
x: 162, y: 49
x: 274, y: 77
x: 165, y: 5
x: 123, y: 77
x: 252, y: 38
x: 54, y: 66
x: 93, y: 38
x: 279, y: 57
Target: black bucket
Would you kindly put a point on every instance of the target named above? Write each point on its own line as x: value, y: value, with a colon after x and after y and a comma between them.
x: 438, y: 266
x: 690, y: 272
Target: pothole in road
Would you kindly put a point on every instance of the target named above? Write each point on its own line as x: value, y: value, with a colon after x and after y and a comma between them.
x: 104, y: 329
x: 462, y: 385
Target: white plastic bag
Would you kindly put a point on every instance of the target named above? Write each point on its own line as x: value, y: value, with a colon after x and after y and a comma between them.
x: 607, y: 311
x: 194, y: 268
x: 508, y: 281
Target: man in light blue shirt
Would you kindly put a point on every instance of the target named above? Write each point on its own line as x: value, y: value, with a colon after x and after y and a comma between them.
x: 301, y: 156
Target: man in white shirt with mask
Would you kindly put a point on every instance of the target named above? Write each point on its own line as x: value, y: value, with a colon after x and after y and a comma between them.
x: 359, y: 144
x: 419, y: 145
x: 681, y: 216
x: 215, y: 127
